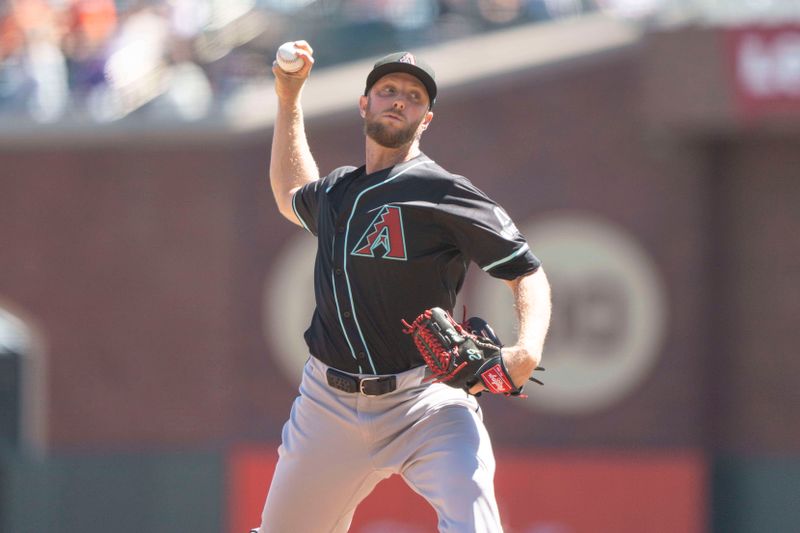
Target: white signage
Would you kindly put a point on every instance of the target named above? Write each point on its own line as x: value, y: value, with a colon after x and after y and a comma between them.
x: 769, y: 68
x: 609, y: 313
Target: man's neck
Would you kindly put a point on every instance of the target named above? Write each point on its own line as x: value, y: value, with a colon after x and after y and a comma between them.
x: 379, y: 157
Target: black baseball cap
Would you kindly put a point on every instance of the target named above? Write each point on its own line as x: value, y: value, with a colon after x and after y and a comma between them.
x: 404, y: 62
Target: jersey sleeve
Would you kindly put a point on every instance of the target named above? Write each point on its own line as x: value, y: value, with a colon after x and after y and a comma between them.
x: 484, y: 233
x: 305, y: 204
x: 306, y: 199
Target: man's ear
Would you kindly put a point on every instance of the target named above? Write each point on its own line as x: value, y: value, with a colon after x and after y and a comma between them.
x: 427, y: 120
x: 362, y: 105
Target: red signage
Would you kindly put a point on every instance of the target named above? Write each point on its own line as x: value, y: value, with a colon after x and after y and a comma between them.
x: 765, y: 64
x: 570, y: 492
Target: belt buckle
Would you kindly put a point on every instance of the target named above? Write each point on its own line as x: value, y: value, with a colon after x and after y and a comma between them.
x: 364, y: 380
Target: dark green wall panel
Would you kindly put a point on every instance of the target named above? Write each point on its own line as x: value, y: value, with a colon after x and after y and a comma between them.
x: 757, y: 495
x: 152, y: 493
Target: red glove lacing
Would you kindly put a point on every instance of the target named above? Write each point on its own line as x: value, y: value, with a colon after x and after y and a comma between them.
x: 437, y: 357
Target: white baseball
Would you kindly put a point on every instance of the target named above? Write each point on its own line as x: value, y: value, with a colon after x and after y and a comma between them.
x: 288, y: 59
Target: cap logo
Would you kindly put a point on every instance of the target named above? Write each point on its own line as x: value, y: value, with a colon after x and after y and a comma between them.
x: 408, y: 58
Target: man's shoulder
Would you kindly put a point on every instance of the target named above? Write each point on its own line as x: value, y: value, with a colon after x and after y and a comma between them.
x: 431, y: 170
x: 441, y: 183
x: 340, y: 172
x: 436, y: 172
x: 337, y: 175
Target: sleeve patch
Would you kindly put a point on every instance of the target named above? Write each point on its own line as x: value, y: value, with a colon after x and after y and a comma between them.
x: 507, y: 227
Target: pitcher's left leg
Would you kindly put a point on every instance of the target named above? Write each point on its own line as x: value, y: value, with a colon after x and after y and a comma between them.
x: 453, y: 467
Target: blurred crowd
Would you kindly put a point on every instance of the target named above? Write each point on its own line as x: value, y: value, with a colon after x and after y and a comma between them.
x: 102, y: 60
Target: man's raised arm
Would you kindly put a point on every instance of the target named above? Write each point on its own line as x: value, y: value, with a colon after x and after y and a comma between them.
x: 291, y: 164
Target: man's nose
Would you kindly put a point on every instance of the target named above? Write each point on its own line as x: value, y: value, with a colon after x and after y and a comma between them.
x: 399, y: 103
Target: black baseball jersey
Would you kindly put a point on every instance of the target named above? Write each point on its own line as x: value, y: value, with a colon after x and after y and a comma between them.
x: 392, y: 244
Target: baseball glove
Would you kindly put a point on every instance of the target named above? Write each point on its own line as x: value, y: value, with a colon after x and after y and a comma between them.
x: 462, y: 355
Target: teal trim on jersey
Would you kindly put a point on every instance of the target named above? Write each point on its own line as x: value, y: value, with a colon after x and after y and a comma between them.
x: 294, y: 208
x: 344, y: 266
x: 524, y: 248
x: 371, y: 226
x: 341, y: 323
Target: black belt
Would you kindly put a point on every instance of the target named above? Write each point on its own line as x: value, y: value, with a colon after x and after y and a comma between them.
x: 369, y: 386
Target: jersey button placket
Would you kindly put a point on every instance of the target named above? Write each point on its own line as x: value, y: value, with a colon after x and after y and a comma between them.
x: 340, y: 286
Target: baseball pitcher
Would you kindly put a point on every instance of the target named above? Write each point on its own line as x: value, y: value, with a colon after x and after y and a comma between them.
x: 391, y: 382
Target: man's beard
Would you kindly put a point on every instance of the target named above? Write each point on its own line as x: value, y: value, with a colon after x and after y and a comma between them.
x: 390, y: 137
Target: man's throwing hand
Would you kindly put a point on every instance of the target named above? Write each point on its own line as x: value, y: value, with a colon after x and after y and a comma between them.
x: 289, y: 84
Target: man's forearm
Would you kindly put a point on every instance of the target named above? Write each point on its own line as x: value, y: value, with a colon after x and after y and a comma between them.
x: 532, y: 303
x: 291, y: 163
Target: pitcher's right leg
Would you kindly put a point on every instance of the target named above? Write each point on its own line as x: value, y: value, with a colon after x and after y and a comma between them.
x: 315, y: 496
x: 324, y: 469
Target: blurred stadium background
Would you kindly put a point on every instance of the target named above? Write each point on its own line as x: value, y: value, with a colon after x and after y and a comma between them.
x: 152, y: 300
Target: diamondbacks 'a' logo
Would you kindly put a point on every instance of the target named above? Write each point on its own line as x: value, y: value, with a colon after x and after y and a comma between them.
x: 408, y: 58
x: 384, y: 236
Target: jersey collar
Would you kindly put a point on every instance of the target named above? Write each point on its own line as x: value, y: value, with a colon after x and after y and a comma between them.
x: 379, y: 175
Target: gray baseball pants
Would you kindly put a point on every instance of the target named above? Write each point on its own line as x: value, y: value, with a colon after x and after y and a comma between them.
x: 337, y: 446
